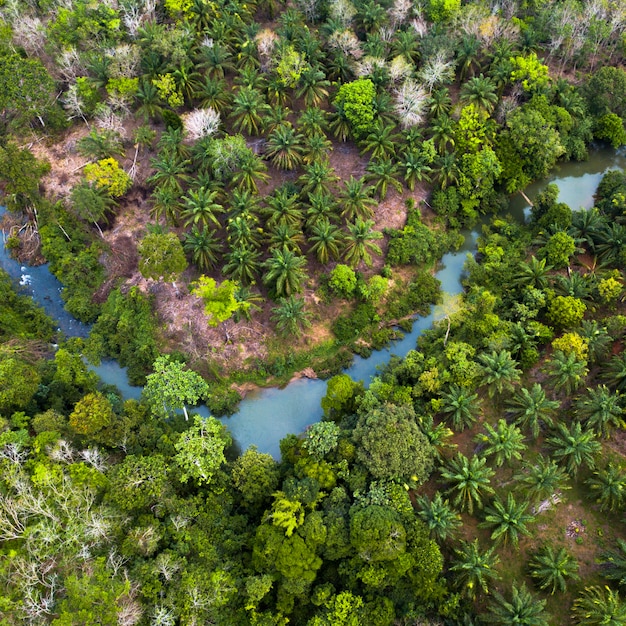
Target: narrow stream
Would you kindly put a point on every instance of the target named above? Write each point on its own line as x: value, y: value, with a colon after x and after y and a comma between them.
x: 265, y: 416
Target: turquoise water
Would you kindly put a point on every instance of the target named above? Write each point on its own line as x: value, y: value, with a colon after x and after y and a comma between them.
x: 265, y: 416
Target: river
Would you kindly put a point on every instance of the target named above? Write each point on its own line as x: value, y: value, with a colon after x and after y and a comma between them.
x: 265, y: 416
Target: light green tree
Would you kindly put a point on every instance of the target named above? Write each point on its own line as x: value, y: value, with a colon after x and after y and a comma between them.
x: 200, y: 450
x: 220, y: 301
x: 172, y: 386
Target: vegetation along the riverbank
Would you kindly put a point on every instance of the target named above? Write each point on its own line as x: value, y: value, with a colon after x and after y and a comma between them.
x: 234, y: 191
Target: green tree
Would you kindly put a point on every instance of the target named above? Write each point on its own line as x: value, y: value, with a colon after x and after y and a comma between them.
x: 341, y: 396
x: 566, y: 372
x: 356, y: 199
x: 600, y: 410
x: 248, y: 109
x: 321, y: 438
x: 499, y: 372
x: 355, y: 102
x: 505, y: 442
x: 255, y: 476
x: 172, y: 386
x: 200, y: 450
x: 442, y: 521
x: 531, y: 407
x: 574, y: 447
x: 19, y: 382
x: 92, y: 414
x: 290, y: 316
x: 203, y: 246
x: 551, y: 568
x: 326, y: 240
x: 462, y: 406
x: 200, y: 208
x: 523, y: 609
x: 609, y: 485
x: 220, y: 303
x: 542, y: 478
x: 391, y: 446
x: 284, y: 147
x: 26, y: 91
x: 599, y: 606
x: 473, y: 569
x: 285, y: 273
x: 610, y: 127
x: 161, y: 256
x: 469, y: 479
x: 508, y: 520
x: 613, y: 562
x: 359, y: 242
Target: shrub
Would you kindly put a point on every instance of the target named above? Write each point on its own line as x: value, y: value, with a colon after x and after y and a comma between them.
x: 343, y: 280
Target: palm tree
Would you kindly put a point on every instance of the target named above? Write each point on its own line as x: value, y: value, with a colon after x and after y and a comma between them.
x: 381, y: 141
x: 171, y: 143
x: 529, y: 408
x: 462, y: 406
x: 447, y: 170
x: 149, y: 101
x: 318, y: 177
x: 574, y: 447
x: 200, y: 208
x: 551, y: 569
x: 575, y: 285
x: 313, y: 86
x: 613, y: 563
x: 542, y: 478
x: 170, y: 172
x: 615, y: 372
x: 437, y: 435
x: 437, y: 514
x: 609, y: 485
x: 405, y: 43
x: 416, y: 168
x: 597, y: 338
x: 326, y: 240
x: 322, y: 206
x: 356, y: 199
x: 242, y: 264
x: 215, y: 60
x: 187, y: 80
x: 316, y: 148
x: 470, y: 480
x: 277, y: 91
x: 359, y: 243
x: 383, y: 172
x: 524, y: 609
x: 586, y: 224
x: 473, y: 569
x: 600, y: 410
x: 283, y: 207
x: 508, y: 519
x: 203, y: 246
x: 467, y: 56
x: 248, y: 109
x: 599, y: 606
x: 213, y: 92
x: 443, y: 133
x: 101, y: 144
x: 251, y: 171
x: 166, y: 204
x: 440, y: 103
x: 313, y: 121
x: 243, y: 201
x: 290, y: 316
x: 284, y: 147
x: 505, y: 442
x: 243, y: 231
x: 533, y: 274
x: 285, y: 273
x: 250, y: 78
x: 481, y: 92
x: 611, y: 244
x: 566, y: 372
x: 500, y: 372
x: 287, y: 237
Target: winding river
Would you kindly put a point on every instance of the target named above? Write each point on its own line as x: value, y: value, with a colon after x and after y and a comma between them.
x: 265, y: 416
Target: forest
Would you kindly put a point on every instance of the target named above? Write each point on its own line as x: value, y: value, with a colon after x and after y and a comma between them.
x: 234, y: 193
